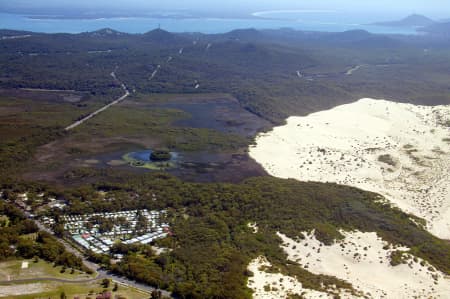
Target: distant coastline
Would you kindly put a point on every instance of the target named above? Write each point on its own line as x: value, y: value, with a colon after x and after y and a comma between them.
x: 104, y: 17
x: 310, y: 20
x: 264, y: 13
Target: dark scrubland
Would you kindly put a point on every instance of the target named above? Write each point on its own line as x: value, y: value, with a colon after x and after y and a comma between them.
x: 249, y: 76
x: 256, y: 67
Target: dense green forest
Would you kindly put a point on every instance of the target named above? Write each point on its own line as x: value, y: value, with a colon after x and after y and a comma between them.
x: 258, y: 67
x: 211, y: 244
x: 20, y: 237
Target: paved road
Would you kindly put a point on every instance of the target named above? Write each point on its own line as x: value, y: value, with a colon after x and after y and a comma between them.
x: 81, y: 121
x: 48, y: 90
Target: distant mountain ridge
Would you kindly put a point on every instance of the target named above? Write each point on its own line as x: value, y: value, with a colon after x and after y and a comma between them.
x: 414, y: 20
x: 164, y: 37
x: 106, y: 32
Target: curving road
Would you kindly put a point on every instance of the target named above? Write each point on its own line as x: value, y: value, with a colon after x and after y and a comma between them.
x: 81, y: 121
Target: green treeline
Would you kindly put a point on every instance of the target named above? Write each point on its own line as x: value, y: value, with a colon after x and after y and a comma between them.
x: 211, y: 245
x: 259, y: 68
x: 20, y: 237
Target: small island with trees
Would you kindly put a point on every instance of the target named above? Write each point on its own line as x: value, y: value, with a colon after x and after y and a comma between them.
x: 160, y: 155
x: 157, y: 159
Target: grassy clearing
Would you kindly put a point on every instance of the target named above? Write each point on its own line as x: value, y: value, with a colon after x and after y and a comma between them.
x: 26, y: 125
x: 4, y: 221
x: 11, y: 270
x: 160, y: 98
x: 20, y: 112
x: 53, y: 290
x: 142, y: 122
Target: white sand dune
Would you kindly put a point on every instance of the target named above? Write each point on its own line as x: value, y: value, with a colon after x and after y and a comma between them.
x: 363, y: 259
x: 401, y: 151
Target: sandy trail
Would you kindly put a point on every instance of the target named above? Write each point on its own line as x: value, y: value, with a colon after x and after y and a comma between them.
x: 155, y: 72
x: 15, y: 37
x: 353, y: 69
x: 48, y: 90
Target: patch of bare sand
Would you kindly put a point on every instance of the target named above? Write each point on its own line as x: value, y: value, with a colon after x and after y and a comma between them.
x: 267, y: 285
x: 22, y: 289
x: 364, y: 260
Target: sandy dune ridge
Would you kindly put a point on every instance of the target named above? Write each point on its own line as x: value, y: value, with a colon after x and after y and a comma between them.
x: 268, y: 285
x: 400, y: 151
x: 362, y: 259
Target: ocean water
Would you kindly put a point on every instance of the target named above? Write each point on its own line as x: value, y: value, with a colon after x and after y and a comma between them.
x: 300, y: 20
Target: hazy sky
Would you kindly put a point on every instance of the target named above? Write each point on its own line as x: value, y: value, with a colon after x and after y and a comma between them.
x: 433, y: 8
